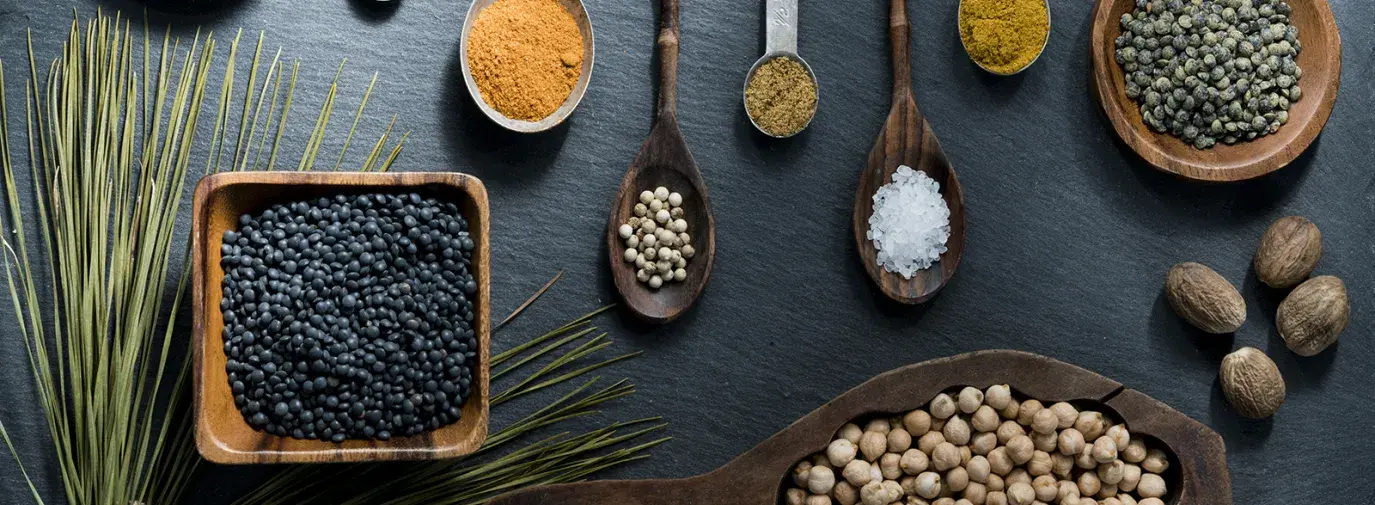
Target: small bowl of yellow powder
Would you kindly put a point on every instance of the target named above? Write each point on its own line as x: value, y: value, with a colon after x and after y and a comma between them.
x: 1004, y: 37
x: 527, y: 63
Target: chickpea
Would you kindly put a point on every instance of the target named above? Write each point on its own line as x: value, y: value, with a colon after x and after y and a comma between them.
x: 1151, y: 486
x: 1071, y: 442
x: 914, y: 462
x: 1156, y: 461
x: 1065, y: 415
x: 858, y: 473
x: 890, y: 466
x: 945, y: 457
x: 1135, y: 451
x: 845, y: 494
x: 841, y: 452
x: 1020, y: 449
x: 880, y: 425
x: 1010, y: 412
x: 999, y: 462
x: 996, y: 498
x: 978, y: 469
x: 1120, y: 436
x: 1045, y: 488
x: 1018, y: 475
x: 957, y: 479
x: 820, y: 480
x: 1044, y: 441
x: 976, y: 493
x: 850, y: 432
x: 956, y: 431
x: 996, y: 483
x: 998, y: 396
x: 1028, y: 411
x: 970, y: 399
x: 1061, y: 465
x: 983, y: 443
x: 1044, y: 421
x: 1020, y: 493
x: 801, y: 472
x: 1112, y: 473
x: 985, y: 419
x: 1009, y: 429
x: 1131, y: 475
x: 795, y: 497
x: 1104, y: 450
x: 1066, y: 492
x: 818, y: 499
x: 1039, y: 465
x: 942, y: 406
x: 873, y: 444
x: 929, y: 441
x: 1091, y: 424
x: 1089, y: 484
x: 929, y: 485
x: 917, y: 423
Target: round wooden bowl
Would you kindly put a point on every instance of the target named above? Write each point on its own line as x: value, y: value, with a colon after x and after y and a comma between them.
x: 1321, y: 61
x: 589, y: 51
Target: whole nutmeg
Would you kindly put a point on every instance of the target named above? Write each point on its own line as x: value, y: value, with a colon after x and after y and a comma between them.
x: 1288, y: 252
x: 1204, y: 299
x: 1313, y: 315
x: 1252, y: 383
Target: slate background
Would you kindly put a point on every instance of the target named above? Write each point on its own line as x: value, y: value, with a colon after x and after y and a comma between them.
x: 1069, y: 235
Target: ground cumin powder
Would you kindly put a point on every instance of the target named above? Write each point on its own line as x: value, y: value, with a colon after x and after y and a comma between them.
x: 1004, y: 36
x: 526, y: 56
x: 781, y: 97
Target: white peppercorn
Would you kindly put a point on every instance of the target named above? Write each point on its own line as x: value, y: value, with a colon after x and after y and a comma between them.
x: 655, y: 282
x: 1151, y: 486
x: 942, y: 406
x: 998, y: 396
x: 820, y: 480
x: 1156, y: 461
x: 914, y: 462
x: 899, y: 440
x: 929, y: 485
x: 945, y: 456
x: 873, y: 444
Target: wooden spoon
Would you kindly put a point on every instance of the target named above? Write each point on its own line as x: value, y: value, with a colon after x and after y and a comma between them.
x: 664, y: 160
x: 1198, y: 459
x: 906, y: 139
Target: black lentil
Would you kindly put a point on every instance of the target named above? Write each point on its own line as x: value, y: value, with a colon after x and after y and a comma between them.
x: 350, y: 317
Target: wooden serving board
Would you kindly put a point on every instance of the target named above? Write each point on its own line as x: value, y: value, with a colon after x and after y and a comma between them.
x: 1198, y: 461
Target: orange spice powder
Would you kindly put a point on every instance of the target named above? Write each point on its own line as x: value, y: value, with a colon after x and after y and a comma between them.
x: 525, y: 56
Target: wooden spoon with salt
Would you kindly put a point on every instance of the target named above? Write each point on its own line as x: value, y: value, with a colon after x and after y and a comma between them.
x: 906, y: 139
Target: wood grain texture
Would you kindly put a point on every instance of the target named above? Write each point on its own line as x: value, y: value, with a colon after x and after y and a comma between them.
x: 664, y: 160
x: 1321, y: 61
x: 589, y: 52
x: 1198, y: 457
x: 222, y: 435
x: 907, y: 139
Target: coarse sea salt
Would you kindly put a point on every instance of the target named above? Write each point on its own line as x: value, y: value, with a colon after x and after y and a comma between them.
x: 911, y: 223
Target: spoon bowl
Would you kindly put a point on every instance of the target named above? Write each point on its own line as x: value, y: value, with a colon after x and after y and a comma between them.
x: 780, y: 41
x: 664, y: 160
x: 579, y: 13
x: 1198, y: 459
x: 907, y: 139
x: 1033, y: 61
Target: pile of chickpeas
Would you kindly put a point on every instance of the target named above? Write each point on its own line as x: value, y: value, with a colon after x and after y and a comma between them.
x: 983, y: 448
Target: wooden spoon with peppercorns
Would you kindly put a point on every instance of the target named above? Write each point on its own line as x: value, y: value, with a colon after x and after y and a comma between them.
x: 664, y: 161
x: 906, y: 139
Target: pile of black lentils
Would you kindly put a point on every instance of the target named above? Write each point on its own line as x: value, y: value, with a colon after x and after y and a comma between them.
x: 350, y: 317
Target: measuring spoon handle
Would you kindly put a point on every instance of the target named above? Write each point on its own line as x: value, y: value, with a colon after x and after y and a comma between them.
x: 780, y: 31
x: 899, y: 31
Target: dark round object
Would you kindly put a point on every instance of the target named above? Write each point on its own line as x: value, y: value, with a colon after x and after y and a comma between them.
x: 350, y: 317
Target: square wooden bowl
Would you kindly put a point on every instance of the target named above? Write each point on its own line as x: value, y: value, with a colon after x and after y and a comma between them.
x: 222, y: 434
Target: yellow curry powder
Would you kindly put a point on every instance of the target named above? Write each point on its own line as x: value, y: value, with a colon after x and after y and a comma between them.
x: 525, y: 56
x: 1004, y: 36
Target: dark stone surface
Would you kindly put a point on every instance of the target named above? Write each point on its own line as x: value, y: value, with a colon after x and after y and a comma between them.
x: 1069, y: 235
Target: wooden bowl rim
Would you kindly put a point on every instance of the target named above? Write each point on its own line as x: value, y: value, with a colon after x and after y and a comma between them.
x: 1238, y: 166
x: 209, y: 441
x: 589, y: 54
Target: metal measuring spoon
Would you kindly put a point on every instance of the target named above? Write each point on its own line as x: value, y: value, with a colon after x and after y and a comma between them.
x: 780, y: 39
